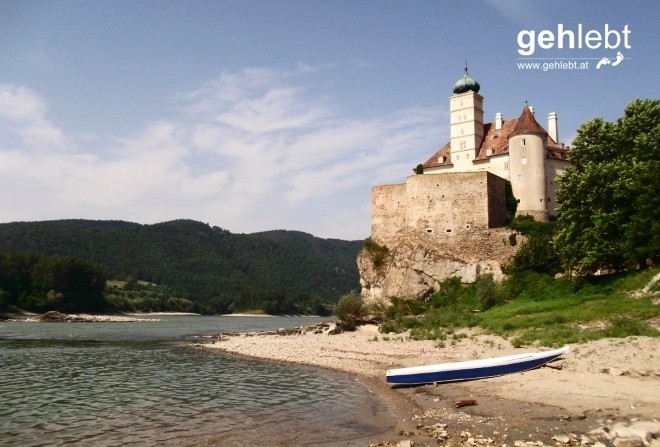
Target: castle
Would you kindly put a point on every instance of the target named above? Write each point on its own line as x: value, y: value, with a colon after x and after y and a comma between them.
x: 463, y: 186
x: 449, y: 219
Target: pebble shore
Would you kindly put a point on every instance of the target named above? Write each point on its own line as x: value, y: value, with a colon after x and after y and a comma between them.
x: 603, y: 393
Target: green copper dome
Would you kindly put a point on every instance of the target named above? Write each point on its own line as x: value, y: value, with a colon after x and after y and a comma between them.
x: 466, y: 83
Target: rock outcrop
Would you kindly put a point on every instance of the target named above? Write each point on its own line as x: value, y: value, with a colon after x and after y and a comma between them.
x: 414, y: 266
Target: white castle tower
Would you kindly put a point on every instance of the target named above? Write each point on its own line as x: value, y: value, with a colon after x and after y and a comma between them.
x: 467, y: 121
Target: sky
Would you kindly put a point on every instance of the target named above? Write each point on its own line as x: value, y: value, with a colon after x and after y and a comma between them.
x: 281, y: 114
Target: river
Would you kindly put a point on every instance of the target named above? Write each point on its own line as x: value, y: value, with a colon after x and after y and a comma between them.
x: 141, y: 383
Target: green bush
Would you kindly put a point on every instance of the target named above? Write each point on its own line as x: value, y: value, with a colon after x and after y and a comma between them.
x: 350, y: 309
x: 487, y: 291
x: 378, y: 253
x: 450, y: 289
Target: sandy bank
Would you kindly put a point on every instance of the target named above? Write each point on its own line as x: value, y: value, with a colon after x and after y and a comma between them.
x: 604, y: 382
x: 166, y: 314
x: 58, y: 317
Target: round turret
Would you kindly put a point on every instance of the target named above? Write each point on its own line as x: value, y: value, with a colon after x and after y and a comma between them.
x: 466, y: 83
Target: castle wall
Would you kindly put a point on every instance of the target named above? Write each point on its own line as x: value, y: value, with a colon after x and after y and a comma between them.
x: 439, y: 206
x: 498, y: 165
x: 443, y: 205
x: 388, y: 211
x: 498, y: 215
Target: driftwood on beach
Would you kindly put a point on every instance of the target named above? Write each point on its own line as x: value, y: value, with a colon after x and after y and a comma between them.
x: 464, y: 403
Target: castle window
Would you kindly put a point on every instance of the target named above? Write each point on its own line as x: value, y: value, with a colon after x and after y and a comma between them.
x: 522, y: 142
x: 441, y: 159
x: 489, y: 152
x: 467, y: 156
x: 462, y: 132
x: 458, y: 157
x: 462, y: 145
x: 506, y: 165
x: 520, y: 178
x: 429, y: 230
x: 448, y: 230
x: 523, y: 160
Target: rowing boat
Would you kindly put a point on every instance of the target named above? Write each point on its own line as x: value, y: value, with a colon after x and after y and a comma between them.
x: 471, y: 369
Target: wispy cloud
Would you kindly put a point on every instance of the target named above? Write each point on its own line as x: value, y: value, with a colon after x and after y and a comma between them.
x: 520, y: 12
x: 252, y: 150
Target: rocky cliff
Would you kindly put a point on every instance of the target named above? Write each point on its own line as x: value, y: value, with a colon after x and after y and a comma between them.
x: 411, y: 266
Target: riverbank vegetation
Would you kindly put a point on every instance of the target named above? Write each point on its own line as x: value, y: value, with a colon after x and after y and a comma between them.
x: 531, y: 308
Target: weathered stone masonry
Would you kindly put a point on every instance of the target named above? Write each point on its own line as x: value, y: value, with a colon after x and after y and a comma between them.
x: 436, y: 226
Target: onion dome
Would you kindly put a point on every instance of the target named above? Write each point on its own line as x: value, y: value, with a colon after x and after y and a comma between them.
x: 466, y: 83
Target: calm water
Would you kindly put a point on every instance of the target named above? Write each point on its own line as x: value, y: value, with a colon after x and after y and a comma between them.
x: 120, y: 384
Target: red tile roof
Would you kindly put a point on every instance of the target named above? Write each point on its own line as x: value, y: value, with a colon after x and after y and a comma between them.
x: 498, y: 141
x: 527, y: 124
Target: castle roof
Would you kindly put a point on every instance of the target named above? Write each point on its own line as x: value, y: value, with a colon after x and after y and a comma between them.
x: 466, y: 83
x: 496, y: 141
x: 527, y: 124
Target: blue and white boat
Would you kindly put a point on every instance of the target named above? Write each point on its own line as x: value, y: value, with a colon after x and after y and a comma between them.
x: 471, y: 369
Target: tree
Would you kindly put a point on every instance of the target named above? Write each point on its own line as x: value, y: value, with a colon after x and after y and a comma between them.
x: 69, y: 284
x: 537, y: 252
x: 610, y: 200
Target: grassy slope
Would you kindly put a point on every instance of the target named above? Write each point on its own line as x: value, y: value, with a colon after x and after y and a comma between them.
x: 546, y: 311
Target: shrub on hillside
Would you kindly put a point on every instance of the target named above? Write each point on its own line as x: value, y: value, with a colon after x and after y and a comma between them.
x: 350, y: 309
x: 378, y: 253
x: 450, y: 289
x: 487, y: 291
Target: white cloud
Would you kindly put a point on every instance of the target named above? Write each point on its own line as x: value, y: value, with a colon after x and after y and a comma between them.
x: 520, y: 12
x: 250, y: 151
x: 24, y: 112
x: 20, y: 104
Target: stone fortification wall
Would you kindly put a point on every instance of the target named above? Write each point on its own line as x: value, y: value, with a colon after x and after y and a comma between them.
x: 388, y: 211
x: 443, y: 205
x: 435, y: 226
x: 498, y: 213
x: 439, y: 206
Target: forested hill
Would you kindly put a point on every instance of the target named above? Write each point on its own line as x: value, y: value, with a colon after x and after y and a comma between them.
x: 194, y: 259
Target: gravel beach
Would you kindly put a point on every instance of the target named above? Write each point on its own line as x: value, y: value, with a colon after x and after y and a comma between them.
x: 605, y: 392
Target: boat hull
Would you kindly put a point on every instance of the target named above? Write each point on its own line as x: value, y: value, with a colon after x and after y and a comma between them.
x: 471, y: 370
